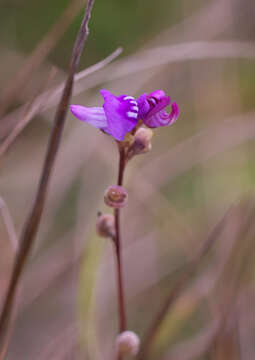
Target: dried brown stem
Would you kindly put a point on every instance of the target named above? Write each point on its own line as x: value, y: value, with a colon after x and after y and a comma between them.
x: 31, y: 226
x: 32, y: 108
x: 179, y: 286
x: 9, y: 225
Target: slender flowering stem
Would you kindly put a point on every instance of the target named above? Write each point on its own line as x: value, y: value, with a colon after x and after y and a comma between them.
x: 122, y: 164
x: 122, y: 312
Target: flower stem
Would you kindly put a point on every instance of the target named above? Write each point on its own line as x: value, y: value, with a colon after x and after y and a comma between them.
x: 119, y: 269
x: 122, y: 164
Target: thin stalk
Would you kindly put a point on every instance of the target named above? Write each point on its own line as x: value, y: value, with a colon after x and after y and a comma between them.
x: 117, y: 242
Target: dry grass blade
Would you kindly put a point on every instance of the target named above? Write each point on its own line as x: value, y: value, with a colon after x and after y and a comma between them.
x: 39, y: 54
x: 149, y: 59
x: 181, y: 282
x: 227, y: 341
x: 9, y: 225
x: 50, y: 97
x: 204, y: 341
x: 197, y: 346
x: 32, y: 109
x: 59, y: 346
x: 196, y: 50
x: 229, y: 133
x: 32, y: 223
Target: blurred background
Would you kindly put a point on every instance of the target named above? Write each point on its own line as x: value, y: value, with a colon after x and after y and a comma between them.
x: 202, y: 54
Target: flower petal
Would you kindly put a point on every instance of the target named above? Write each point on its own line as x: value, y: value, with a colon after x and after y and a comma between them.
x: 162, y: 118
x: 94, y: 116
x: 174, y: 113
x: 143, y: 105
x: 158, y: 101
x: 151, y: 104
x: 121, y: 113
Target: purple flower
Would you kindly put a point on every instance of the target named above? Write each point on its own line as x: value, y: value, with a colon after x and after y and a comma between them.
x: 152, y: 109
x: 119, y: 114
x: 117, y: 117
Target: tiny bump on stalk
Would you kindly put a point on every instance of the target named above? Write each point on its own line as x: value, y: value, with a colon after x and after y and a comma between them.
x: 116, y: 196
x: 127, y: 343
x: 105, y: 225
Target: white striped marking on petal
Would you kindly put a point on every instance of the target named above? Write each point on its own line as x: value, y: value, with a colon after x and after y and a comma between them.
x: 132, y: 114
x: 135, y: 108
x: 129, y: 98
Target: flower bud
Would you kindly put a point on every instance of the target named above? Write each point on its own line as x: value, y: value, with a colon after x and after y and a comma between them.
x: 127, y: 343
x: 142, y: 142
x: 105, y: 225
x: 115, y: 196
